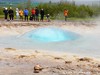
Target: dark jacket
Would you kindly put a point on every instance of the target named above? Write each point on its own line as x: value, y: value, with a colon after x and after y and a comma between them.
x: 36, y: 12
x: 42, y: 12
x: 11, y: 12
x: 5, y: 11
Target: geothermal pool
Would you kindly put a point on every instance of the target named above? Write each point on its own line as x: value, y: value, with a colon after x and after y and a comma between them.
x: 50, y: 34
x: 55, y: 39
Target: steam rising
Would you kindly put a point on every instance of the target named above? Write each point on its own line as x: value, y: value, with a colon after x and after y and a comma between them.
x: 50, y: 34
x: 87, y: 45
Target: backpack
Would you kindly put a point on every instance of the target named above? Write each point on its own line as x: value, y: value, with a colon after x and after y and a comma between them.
x: 31, y: 18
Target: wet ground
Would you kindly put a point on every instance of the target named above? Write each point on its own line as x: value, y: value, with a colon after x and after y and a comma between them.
x: 88, y: 44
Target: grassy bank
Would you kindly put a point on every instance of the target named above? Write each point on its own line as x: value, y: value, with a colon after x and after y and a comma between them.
x: 76, y: 12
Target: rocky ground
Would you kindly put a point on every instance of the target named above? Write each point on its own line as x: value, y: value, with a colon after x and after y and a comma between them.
x: 21, y: 62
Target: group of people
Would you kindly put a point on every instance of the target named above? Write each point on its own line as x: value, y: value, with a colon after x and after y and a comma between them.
x: 24, y: 14
x: 9, y: 12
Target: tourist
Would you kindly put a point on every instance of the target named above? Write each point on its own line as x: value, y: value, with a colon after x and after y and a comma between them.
x: 48, y: 17
x: 5, y: 13
x: 42, y: 14
x: 33, y: 13
x: 26, y: 12
x: 21, y: 13
x: 37, y: 14
x: 66, y: 14
x: 11, y: 13
x: 17, y: 13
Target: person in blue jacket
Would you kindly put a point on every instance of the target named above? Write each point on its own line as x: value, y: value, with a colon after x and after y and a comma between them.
x: 26, y: 12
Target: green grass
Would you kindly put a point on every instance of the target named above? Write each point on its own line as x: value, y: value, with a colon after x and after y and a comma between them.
x: 1, y: 16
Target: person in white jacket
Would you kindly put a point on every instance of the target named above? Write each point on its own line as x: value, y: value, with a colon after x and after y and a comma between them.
x: 17, y: 13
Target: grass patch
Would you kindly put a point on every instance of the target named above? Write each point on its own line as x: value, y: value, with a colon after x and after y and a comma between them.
x: 1, y: 16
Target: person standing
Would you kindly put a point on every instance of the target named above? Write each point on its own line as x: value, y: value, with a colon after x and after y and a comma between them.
x: 21, y: 13
x: 17, y: 13
x: 48, y: 17
x: 33, y: 13
x: 37, y: 14
x: 66, y: 14
x: 11, y: 13
x: 5, y: 11
x: 42, y: 14
x: 26, y: 12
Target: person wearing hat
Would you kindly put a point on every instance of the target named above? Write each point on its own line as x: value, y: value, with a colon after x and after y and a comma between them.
x: 17, y: 13
x: 5, y: 11
x: 11, y: 13
x: 48, y: 17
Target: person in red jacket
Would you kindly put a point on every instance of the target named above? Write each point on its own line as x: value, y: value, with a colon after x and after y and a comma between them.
x: 33, y: 13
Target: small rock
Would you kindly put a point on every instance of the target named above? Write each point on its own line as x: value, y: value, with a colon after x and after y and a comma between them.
x: 37, y: 68
x: 22, y: 56
x: 10, y: 49
x: 36, y: 71
x: 84, y: 59
x: 58, y: 58
x: 60, y: 68
x: 99, y: 66
x: 68, y: 62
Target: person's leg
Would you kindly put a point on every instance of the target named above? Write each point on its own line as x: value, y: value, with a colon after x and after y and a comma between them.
x: 37, y: 18
x: 5, y: 16
x: 17, y: 17
x: 10, y: 17
x: 43, y: 17
x: 27, y: 17
x: 22, y: 18
x: 48, y: 19
x: 65, y: 18
x: 34, y: 17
